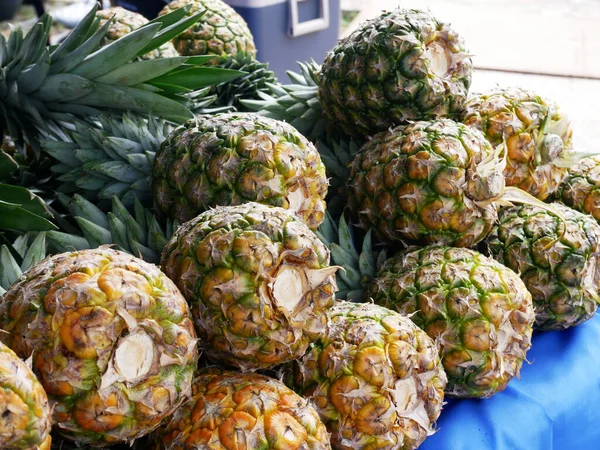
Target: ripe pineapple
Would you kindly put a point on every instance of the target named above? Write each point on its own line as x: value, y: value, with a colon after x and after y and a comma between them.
x: 375, y: 379
x: 124, y: 22
x: 25, y: 415
x: 229, y: 159
x: 428, y: 182
x: 111, y: 341
x: 557, y: 258
x: 221, y: 31
x: 537, y: 136
x: 230, y: 410
x: 479, y: 313
x: 258, y: 281
x: 43, y: 87
x: 581, y: 187
x: 401, y: 66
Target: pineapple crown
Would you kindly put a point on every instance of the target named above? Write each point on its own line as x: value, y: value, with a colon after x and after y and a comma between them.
x: 40, y: 85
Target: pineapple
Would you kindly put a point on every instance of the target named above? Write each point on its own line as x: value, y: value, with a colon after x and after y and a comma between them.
x: 375, y: 379
x: 44, y: 87
x: 537, y: 136
x: 124, y: 22
x: 401, y: 66
x: 581, y: 187
x: 111, y: 341
x: 230, y: 410
x: 479, y: 313
x: 25, y: 415
x: 221, y: 31
x: 229, y: 159
x: 428, y: 182
x: 258, y: 281
x: 558, y: 258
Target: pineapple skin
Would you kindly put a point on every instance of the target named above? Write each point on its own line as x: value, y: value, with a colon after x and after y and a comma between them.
x: 535, y: 131
x: 233, y: 158
x: 242, y: 410
x: 558, y: 261
x: 375, y: 378
x: 111, y: 339
x: 399, y: 67
x: 581, y: 187
x: 479, y: 313
x: 422, y: 184
x: 258, y: 282
x: 221, y: 31
x: 125, y: 22
x: 25, y: 414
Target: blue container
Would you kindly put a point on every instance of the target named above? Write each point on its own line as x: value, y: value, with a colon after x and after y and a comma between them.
x: 287, y: 31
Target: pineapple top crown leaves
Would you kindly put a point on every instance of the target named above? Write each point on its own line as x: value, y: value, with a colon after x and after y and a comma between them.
x: 40, y: 84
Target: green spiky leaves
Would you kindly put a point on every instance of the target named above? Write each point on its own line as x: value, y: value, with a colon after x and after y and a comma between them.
x: 296, y: 103
x: 39, y: 84
x: 357, y: 268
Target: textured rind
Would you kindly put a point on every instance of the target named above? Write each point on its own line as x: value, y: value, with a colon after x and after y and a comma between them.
x: 72, y: 312
x: 581, y: 187
x: 375, y: 379
x: 402, y: 66
x: 479, y: 313
x: 226, y: 262
x: 557, y: 258
x: 421, y: 184
x: 220, y: 31
x: 25, y: 415
x: 233, y: 158
x: 230, y: 410
x: 125, y: 22
x: 534, y: 131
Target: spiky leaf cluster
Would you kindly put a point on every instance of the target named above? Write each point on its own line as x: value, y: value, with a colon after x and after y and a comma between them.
x: 40, y: 84
x: 295, y: 103
x: 358, y: 267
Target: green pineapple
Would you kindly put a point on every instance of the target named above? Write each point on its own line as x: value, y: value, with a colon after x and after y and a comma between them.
x: 558, y: 258
x: 581, y: 187
x: 401, y: 66
x: 221, y: 31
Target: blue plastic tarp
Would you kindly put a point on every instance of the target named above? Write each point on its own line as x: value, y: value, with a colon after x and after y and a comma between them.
x: 555, y: 405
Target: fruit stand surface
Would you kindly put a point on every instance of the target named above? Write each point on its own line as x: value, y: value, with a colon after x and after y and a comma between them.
x: 554, y: 406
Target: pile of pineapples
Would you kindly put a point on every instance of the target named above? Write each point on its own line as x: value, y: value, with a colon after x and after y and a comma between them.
x: 335, y: 255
